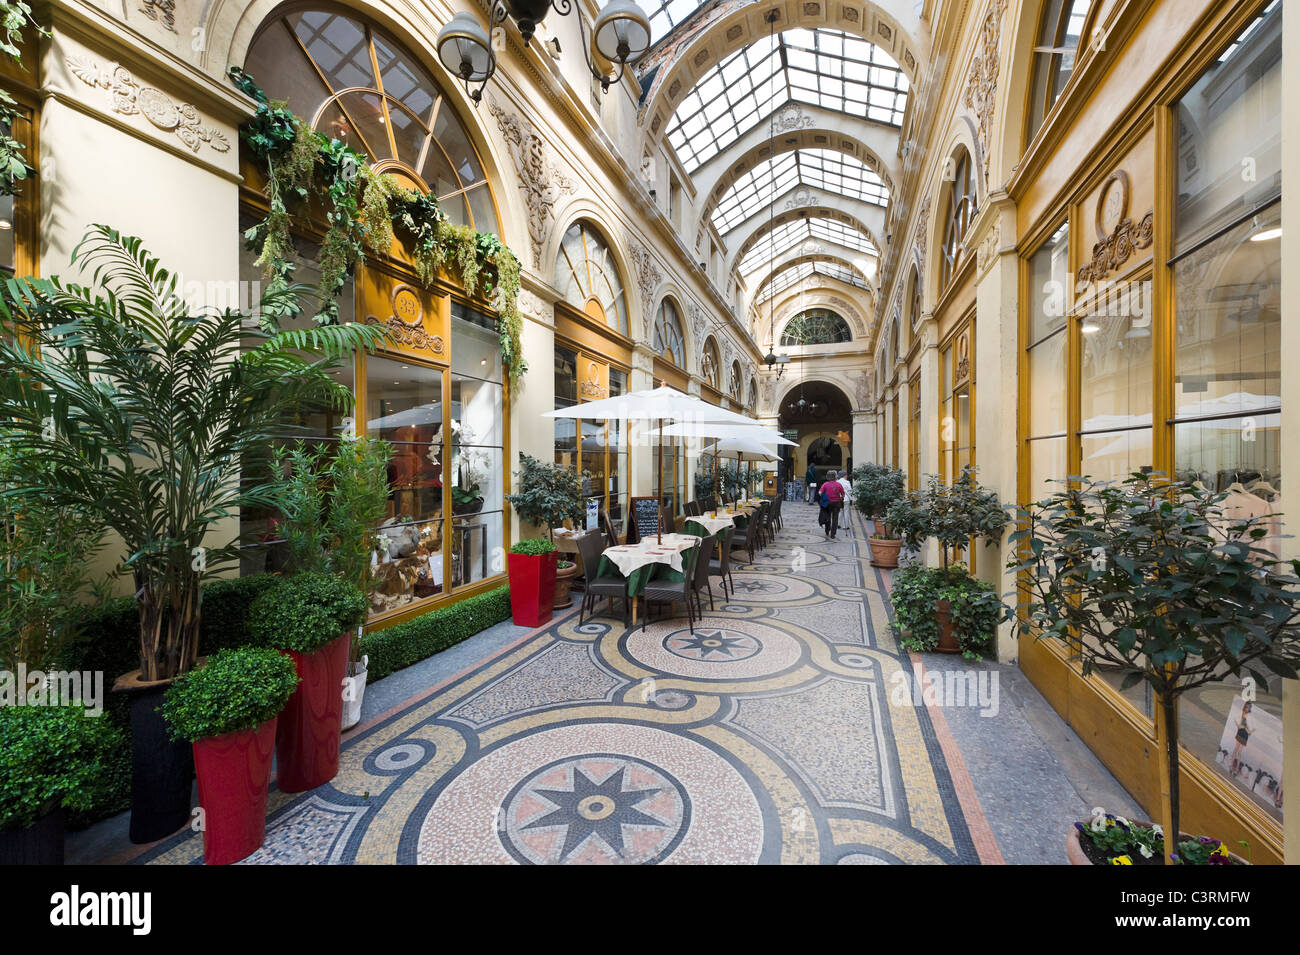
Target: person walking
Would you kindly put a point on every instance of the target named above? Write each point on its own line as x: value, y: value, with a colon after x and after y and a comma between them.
x: 832, y: 500
x: 847, y: 484
x: 811, y: 478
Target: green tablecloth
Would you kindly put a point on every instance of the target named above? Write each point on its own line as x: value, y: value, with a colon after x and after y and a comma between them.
x: 637, y: 580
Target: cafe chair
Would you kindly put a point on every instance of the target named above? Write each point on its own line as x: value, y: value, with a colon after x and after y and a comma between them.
x: 743, y: 539
x: 674, y: 591
x: 702, y: 566
x: 720, y: 566
x: 590, y: 547
x: 692, y: 508
x: 606, y: 525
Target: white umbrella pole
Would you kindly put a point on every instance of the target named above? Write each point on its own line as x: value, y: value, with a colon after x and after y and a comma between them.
x: 660, y: 483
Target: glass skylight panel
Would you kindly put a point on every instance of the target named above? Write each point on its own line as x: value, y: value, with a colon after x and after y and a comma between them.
x: 665, y: 15
x: 791, y: 234
x: 819, y: 67
x: 795, y: 273
x: 836, y: 173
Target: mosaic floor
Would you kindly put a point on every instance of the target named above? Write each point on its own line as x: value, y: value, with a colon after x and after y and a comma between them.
x: 767, y: 736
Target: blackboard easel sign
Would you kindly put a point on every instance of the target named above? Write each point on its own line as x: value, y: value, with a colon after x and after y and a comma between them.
x: 645, y: 519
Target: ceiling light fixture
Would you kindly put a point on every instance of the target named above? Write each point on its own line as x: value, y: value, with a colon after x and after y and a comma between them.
x: 620, y: 36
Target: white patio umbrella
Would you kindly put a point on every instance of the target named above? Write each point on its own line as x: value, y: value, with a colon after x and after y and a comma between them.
x: 745, y: 449
x: 767, y: 437
x: 656, y: 404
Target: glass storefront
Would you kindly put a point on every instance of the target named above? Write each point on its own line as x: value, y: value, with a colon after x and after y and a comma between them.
x: 597, y: 448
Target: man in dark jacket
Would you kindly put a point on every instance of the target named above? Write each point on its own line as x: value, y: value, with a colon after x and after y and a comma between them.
x: 811, y: 478
x: 832, y: 492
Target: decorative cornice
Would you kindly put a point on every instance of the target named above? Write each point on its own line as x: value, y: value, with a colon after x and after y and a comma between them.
x: 542, y: 183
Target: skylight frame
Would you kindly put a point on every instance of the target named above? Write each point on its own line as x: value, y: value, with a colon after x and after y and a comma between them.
x: 836, y: 173
x: 797, y: 231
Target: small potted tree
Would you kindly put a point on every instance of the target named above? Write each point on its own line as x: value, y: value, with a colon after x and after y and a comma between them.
x: 53, y: 760
x: 548, y: 495
x: 953, y: 515
x: 227, y: 710
x: 1155, y: 581
x: 310, y: 617
x: 875, y: 489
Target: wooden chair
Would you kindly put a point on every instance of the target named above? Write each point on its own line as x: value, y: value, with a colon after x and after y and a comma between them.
x: 606, y: 525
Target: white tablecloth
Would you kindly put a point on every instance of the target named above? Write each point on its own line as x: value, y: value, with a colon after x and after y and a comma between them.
x: 628, y: 557
x: 713, y: 524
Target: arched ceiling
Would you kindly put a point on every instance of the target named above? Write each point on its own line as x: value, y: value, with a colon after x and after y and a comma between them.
x: 762, y: 100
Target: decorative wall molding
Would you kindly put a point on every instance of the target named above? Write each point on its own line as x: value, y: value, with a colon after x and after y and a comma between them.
x: 922, y: 235
x: 542, y: 183
x: 1118, y: 236
x: 982, y: 81
x: 130, y: 98
x: 163, y: 11
x: 987, y: 252
x: 648, y: 279
x: 534, y: 306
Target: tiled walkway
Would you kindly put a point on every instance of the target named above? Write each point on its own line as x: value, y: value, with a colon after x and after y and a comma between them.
x: 768, y: 736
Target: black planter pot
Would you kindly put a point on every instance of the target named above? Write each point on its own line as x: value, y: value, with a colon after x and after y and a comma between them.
x: 41, y: 843
x: 162, y: 770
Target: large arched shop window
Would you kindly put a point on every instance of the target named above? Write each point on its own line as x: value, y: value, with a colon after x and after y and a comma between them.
x: 669, y: 341
x: 960, y: 210
x: 355, y: 83
x: 1060, y: 28
x: 588, y: 279
x: 816, y: 326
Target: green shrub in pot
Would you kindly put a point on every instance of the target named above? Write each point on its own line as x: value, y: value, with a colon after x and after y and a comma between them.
x: 875, y: 488
x: 973, y: 606
x: 953, y: 515
x: 57, y: 756
x: 305, y: 612
x: 533, y: 547
x: 548, y: 493
x: 234, y: 690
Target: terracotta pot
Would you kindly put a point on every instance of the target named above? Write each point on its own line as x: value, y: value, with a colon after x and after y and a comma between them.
x: 947, y: 632
x: 1074, y: 849
x: 884, y: 551
x: 564, y: 577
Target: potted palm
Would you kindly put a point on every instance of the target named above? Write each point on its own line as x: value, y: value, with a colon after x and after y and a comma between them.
x: 953, y: 515
x: 149, y: 416
x: 1158, y: 582
x: 875, y: 489
x: 54, y: 760
x: 310, y: 617
x: 548, y: 495
x: 227, y: 710
x: 330, y: 506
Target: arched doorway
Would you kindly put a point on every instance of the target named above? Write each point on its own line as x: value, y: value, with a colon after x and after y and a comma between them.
x: 819, y: 417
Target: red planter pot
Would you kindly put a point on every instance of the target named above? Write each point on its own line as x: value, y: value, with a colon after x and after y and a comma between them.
x: 234, y: 772
x: 532, y: 588
x: 307, y: 740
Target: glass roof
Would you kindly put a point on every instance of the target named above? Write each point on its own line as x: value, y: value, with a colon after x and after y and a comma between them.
x: 833, y: 172
x: 825, y: 68
x: 795, y: 273
x: 790, y: 234
x: 666, y: 14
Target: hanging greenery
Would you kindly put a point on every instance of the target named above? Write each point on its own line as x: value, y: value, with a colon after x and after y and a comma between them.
x: 365, y: 211
x: 15, y: 16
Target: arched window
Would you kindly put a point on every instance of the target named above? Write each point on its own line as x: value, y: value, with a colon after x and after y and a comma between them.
x: 669, y: 342
x: 735, y: 383
x: 355, y: 83
x: 914, y: 298
x: 961, y: 207
x: 1059, y: 30
x: 894, y: 353
x: 816, y: 326
x: 710, y: 364
x: 752, y: 404
x: 587, y: 277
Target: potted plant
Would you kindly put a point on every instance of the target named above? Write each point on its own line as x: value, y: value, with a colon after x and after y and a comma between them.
x: 309, y: 617
x: 1107, y: 839
x: 548, y: 495
x: 1155, y: 581
x: 54, y: 760
x: 155, y: 419
x: 875, y: 489
x: 227, y: 709
x: 953, y: 515
x: 972, y: 612
x: 532, y: 581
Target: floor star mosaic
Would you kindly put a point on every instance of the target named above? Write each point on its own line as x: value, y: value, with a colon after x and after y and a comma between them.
x: 766, y: 736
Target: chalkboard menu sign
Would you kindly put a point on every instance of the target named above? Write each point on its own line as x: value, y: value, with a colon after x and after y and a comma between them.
x: 645, y: 518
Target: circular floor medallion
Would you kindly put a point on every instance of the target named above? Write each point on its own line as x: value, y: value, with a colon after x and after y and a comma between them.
x: 715, y: 643
x: 734, y: 650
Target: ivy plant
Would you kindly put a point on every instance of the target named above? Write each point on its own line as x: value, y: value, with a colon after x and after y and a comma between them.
x: 973, y: 606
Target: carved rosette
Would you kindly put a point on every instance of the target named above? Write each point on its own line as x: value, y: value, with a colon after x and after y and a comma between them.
x: 130, y: 98
x: 543, y: 184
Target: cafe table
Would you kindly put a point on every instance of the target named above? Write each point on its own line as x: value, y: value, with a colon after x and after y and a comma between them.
x: 649, y: 559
